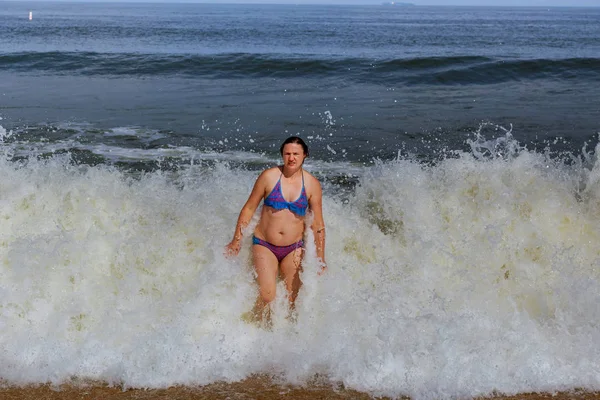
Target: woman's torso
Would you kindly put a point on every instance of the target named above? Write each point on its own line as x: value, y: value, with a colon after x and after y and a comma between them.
x: 282, y: 216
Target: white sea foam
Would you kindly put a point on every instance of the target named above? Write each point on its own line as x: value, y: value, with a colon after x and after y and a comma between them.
x: 3, y: 133
x: 480, y: 273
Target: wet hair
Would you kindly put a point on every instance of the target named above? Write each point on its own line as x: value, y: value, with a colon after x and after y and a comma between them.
x: 295, y: 140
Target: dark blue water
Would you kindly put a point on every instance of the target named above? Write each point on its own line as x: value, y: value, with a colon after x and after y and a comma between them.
x: 373, y: 79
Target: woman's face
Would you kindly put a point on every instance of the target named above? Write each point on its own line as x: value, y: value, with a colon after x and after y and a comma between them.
x: 293, y: 155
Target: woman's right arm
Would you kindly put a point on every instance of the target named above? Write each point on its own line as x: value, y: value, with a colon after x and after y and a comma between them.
x: 248, y: 210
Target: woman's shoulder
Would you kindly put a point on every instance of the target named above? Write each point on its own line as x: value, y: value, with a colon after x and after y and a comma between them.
x: 269, y: 174
x: 310, y: 180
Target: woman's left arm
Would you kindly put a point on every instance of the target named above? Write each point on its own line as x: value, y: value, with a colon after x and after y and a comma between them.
x: 315, y: 201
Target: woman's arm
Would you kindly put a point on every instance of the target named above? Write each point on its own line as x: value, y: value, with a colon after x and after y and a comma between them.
x: 248, y: 210
x: 318, y: 224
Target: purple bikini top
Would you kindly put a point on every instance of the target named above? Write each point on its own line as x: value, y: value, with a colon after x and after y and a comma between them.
x: 276, y: 200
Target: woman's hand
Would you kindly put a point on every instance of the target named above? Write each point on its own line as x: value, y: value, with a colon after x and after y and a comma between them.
x: 322, y: 268
x: 233, y: 248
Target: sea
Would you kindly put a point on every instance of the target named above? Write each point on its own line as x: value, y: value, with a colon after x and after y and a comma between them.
x: 457, y: 150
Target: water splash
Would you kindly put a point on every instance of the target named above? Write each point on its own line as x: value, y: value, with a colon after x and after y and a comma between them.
x: 454, y: 279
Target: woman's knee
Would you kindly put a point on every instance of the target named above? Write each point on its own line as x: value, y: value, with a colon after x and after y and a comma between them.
x: 267, y: 294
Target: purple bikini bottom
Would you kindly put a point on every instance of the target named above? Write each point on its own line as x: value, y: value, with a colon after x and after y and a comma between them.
x: 279, y: 251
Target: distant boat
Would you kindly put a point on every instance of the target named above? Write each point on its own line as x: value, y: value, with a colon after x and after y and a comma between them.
x: 30, y: 15
x: 396, y: 3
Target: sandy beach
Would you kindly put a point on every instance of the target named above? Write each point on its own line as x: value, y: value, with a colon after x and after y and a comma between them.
x: 253, y: 388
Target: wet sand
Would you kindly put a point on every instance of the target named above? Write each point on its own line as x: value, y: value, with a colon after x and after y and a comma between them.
x: 262, y: 388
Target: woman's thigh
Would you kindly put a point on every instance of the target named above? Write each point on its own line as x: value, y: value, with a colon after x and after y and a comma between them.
x: 266, y: 267
x: 290, y: 268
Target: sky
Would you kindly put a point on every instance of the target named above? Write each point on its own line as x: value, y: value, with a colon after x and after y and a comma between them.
x: 541, y: 3
x: 510, y: 3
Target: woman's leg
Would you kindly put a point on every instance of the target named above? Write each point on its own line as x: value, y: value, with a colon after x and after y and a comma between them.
x: 290, y: 268
x: 266, y: 267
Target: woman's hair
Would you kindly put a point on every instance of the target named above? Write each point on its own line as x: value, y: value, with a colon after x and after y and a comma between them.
x: 296, y: 140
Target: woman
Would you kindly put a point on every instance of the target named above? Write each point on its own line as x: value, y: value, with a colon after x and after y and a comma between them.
x: 277, y: 244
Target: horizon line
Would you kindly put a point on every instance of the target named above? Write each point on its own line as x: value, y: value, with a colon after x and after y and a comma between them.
x: 310, y: 2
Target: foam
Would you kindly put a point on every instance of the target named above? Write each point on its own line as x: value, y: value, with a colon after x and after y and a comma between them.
x: 476, y: 274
